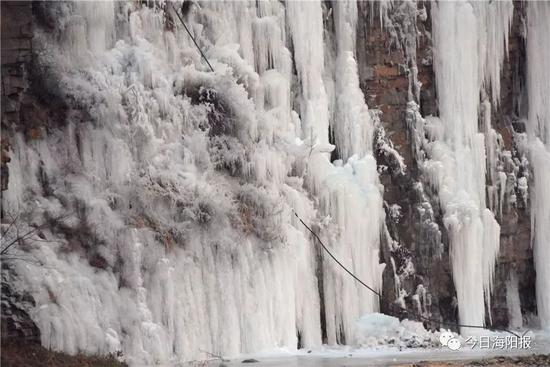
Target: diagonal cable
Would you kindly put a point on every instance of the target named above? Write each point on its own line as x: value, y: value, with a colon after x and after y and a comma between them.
x: 193, y: 38
x: 391, y: 304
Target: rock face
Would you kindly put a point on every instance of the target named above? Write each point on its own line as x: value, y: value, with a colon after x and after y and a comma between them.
x: 17, y: 33
x: 397, y: 57
x: 16, y: 323
x: 392, y: 63
x: 395, y: 67
x: 516, y: 254
x: 16, y: 55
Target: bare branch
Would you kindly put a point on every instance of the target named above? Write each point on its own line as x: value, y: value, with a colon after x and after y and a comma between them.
x: 216, y: 356
x: 21, y: 238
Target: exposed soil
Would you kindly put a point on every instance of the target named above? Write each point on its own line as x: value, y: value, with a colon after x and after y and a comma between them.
x: 15, y: 354
x: 539, y: 360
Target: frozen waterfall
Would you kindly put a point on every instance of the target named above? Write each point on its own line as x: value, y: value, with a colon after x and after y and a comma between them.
x: 165, y: 195
x: 183, y: 182
x: 469, y: 41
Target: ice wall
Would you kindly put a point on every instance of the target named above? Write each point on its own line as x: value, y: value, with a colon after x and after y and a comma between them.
x: 169, y: 189
x: 538, y: 89
x: 469, y: 43
x: 351, y: 124
x: 348, y: 187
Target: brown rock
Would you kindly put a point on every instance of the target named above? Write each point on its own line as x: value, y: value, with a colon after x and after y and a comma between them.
x: 386, y: 71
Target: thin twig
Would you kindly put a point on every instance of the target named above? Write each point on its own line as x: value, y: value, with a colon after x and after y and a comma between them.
x: 28, y: 234
x: 211, y: 354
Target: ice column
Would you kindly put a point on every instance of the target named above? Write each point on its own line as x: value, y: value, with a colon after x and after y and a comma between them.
x: 457, y: 165
x: 305, y: 22
x: 349, y: 190
x: 351, y: 124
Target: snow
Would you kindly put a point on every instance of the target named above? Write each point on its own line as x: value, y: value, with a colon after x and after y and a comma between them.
x: 377, y: 329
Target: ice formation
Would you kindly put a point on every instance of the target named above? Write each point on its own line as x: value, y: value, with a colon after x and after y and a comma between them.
x: 538, y: 89
x: 182, y: 182
x: 377, y: 329
x: 170, y: 189
x: 457, y: 153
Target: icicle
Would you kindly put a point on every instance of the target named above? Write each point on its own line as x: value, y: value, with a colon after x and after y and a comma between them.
x: 305, y: 22
x: 351, y: 124
x: 345, y: 191
x: 494, y: 23
x: 351, y: 185
x: 457, y: 154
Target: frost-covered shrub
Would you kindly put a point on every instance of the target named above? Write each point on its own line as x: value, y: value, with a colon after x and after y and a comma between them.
x: 227, y: 153
x: 231, y: 111
x: 387, y: 153
x: 221, y: 120
x: 260, y: 213
x: 174, y: 202
x: 203, y: 211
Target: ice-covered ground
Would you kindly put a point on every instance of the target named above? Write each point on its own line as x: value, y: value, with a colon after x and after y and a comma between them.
x: 384, y: 340
x: 347, y: 356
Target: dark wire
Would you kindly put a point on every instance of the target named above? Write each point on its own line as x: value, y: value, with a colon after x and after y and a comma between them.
x: 193, y: 38
x: 390, y: 304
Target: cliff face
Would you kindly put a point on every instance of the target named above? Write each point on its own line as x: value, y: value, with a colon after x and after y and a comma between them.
x: 149, y: 180
x: 387, y: 59
x: 515, y: 262
x: 16, y: 55
x: 398, y: 55
x: 17, y: 32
